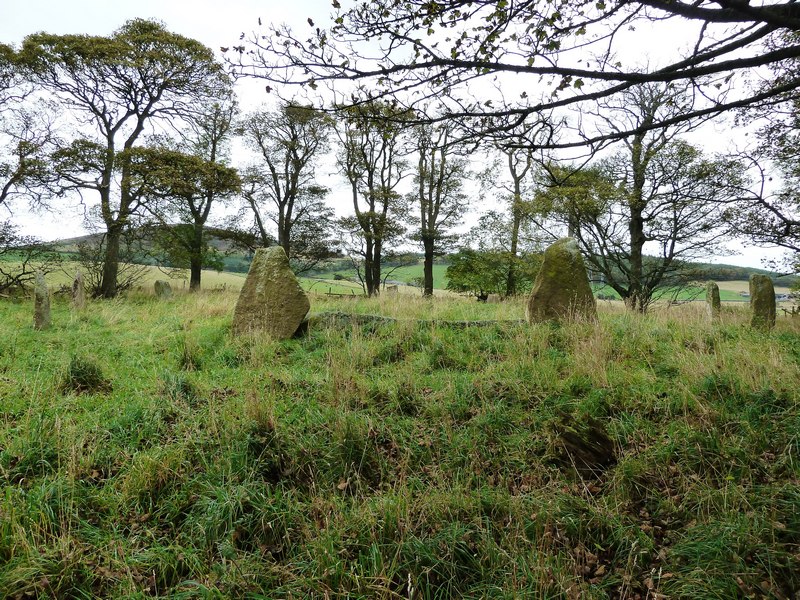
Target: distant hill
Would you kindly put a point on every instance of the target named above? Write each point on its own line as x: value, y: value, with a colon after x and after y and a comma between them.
x: 236, y: 260
x: 718, y: 272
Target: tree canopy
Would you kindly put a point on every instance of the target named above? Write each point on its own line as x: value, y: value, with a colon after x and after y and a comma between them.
x: 114, y: 87
x: 531, y: 58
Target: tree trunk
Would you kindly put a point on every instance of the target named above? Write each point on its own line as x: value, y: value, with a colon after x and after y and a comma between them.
x: 376, y: 269
x: 284, y: 232
x: 511, y: 279
x: 636, y: 225
x: 369, y: 258
x: 636, y: 228
x: 108, y: 285
x: 427, y: 269
x: 196, y: 258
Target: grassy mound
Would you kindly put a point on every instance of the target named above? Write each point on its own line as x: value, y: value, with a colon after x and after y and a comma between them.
x: 397, y: 459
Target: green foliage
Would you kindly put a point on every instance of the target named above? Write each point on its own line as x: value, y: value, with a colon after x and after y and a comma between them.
x: 484, y: 272
x: 115, y: 86
x: 175, y: 246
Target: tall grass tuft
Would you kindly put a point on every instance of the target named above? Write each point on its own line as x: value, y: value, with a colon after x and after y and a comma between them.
x: 84, y: 376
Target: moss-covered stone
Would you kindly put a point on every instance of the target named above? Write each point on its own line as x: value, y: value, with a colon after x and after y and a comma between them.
x: 561, y: 290
x: 713, y: 304
x: 41, y: 303
x: 271, y: 300
x: 162, y: 289
x: 762, y: 302
x: 78, y: 292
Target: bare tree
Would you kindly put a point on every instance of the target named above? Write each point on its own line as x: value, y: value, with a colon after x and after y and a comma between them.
x: 21, y: 256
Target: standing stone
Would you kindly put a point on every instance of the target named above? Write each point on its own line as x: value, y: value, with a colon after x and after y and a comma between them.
x: 163, y: 289
x: 713, y: 304
x: 78, y: 292
x: 561, y: 289
x: 762, y: 302
x: 271, y: 299
x: 41, y: 303
x: 493, y: 299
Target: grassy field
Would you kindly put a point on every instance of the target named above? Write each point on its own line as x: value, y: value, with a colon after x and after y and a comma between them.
x: 327, y: 283
x: 144, y: 452
x: 404, y: 274
x: 729, y: 291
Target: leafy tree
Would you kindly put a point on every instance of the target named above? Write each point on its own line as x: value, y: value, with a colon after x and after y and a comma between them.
x: 24, y: 138
x: 355, y: 247
x: 665, y: 212
x: 186, y: 186
x: 517, y: 192
x: 22, y: 256
x: 669, y: 199
x: 483, y: 267
x: 484, y: 272
x: 770, y: 216
x: 371, y: 158
x: 115, y: 87
x: 557, y: 54
x: 438, y: 197
x: 25, y: 133
x: 185, y: 243
x: 282, y: 187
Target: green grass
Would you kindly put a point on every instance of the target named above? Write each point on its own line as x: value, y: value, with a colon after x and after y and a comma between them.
x: 729, y: 292
x: 144, y: 452
x: 405, y: 274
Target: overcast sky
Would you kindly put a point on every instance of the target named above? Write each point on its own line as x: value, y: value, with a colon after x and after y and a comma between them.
x: 212, y: 22
x: 216, y: 24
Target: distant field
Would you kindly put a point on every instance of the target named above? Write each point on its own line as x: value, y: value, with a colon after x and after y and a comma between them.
x: 729, y: 291
x: 404, y: 274
x: 327, y: 283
